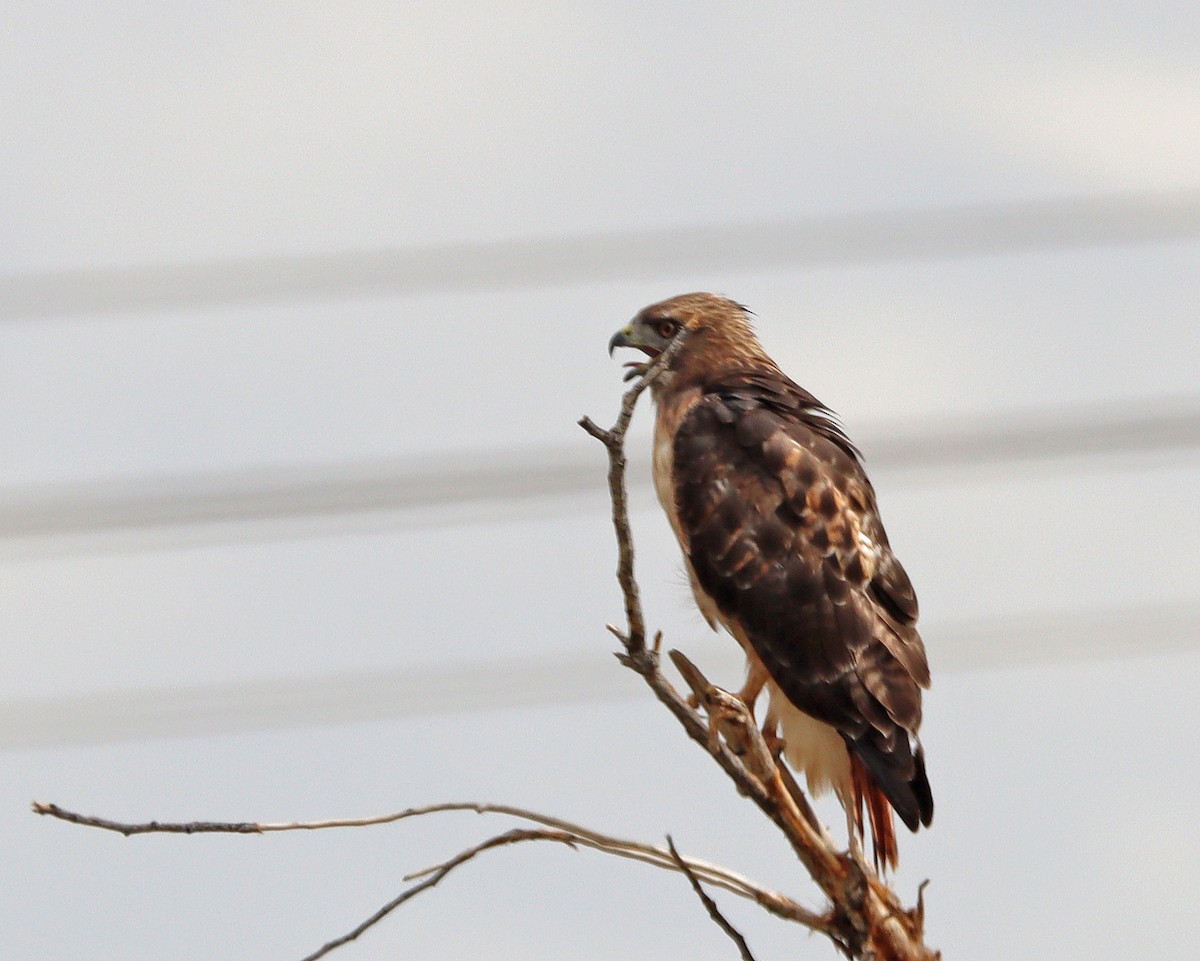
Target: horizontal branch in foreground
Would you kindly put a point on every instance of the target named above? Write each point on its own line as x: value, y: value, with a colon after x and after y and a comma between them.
x: 550, y: 829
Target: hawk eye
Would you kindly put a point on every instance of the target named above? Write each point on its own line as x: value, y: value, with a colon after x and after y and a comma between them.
x: 667, y: 328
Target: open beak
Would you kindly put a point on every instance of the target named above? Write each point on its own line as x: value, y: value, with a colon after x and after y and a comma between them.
x: 626, y: 337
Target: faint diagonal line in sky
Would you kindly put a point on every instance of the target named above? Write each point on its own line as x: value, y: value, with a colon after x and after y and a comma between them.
x: 967, y: 230
x: 382, y: 693
x: 454, y: 490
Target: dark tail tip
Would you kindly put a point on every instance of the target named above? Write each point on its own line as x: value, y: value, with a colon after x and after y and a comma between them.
x: 920, y: 788
x: 905, y: 784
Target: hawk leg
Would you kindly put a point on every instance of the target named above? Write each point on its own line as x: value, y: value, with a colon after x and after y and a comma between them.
x: 756, y: 679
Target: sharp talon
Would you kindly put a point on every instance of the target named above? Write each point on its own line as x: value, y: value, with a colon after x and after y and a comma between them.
x: 774, y: 744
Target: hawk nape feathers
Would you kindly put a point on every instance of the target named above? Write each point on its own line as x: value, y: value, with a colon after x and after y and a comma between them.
x: 784, y: 548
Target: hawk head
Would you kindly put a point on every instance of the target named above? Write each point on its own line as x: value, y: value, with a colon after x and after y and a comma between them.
x: 715, y: 326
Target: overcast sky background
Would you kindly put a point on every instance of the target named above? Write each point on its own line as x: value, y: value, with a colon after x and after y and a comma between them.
x: 1059, y: 595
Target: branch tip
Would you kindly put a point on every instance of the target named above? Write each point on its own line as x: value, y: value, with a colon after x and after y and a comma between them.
x: 709, y: 904
x: 602, y: 435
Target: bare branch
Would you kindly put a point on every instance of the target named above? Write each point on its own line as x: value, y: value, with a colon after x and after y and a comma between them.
x: 614, y: 441
x: 149, y: 827
x: 710, y: 905
x: 668, y: 859
x: 774, y: 902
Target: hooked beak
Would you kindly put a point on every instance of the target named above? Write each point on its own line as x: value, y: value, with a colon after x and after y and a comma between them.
x: 621, y: 339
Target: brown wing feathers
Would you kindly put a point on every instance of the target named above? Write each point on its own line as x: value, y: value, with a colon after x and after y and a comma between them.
x: 782, y: 533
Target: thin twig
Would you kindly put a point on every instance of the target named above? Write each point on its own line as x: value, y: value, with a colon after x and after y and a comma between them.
x: 710, y: 905
x: 614, y: 441
x: 515, y: 836
x: 671, y: 860
x: 150, y: 827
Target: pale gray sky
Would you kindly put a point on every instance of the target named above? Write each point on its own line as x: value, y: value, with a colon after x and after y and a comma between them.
x: 140, y: 135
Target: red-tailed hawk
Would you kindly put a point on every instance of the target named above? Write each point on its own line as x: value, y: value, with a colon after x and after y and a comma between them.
x: 784, y: 548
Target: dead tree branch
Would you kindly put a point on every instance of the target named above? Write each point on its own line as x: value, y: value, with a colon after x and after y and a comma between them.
x: 710, y: 905
x: 435, y: 874
x: 552, y: 829
x: 865, y: 921
x: 614, y: 442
